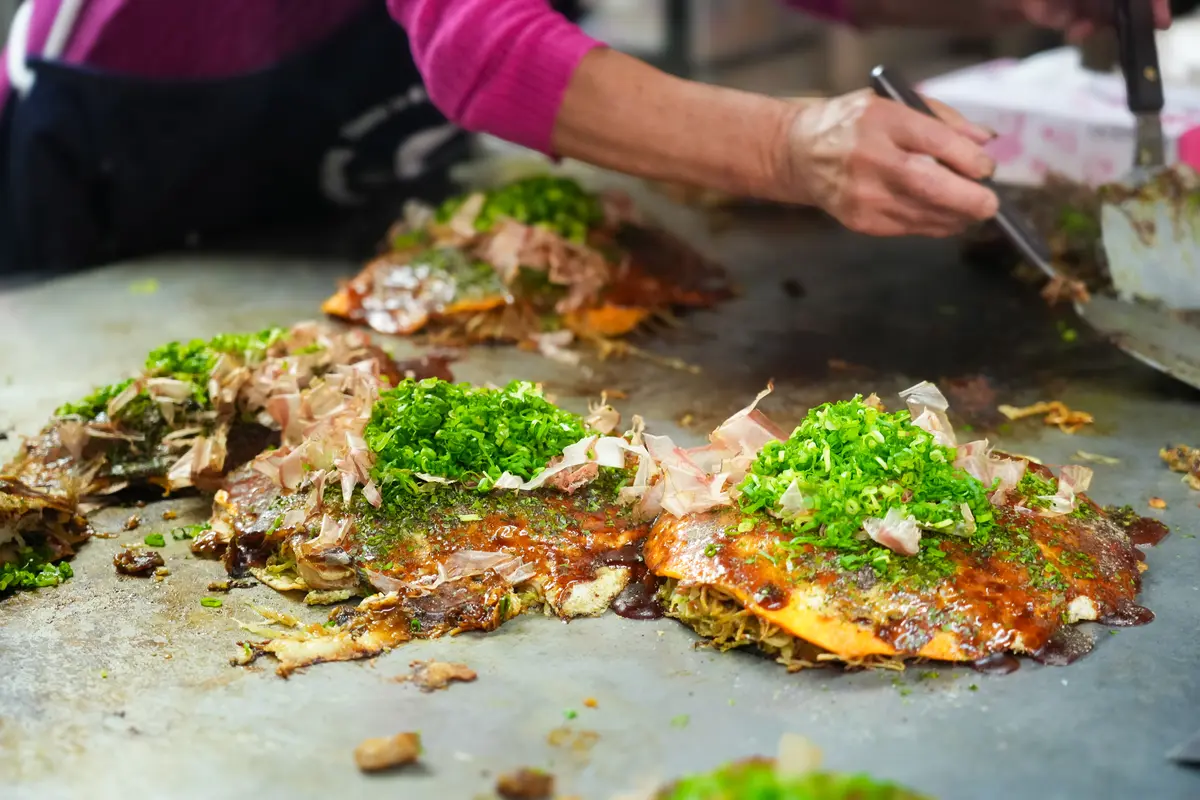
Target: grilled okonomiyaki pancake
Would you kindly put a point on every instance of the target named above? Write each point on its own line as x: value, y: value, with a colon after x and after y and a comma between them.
x: 539, y: 260
x: 196, y: 410
x: 452, y: 560
x: 755, y: 587
x: 455, y: 507
x: 195, y: 406
x: 36, y: 531
x: 867, y: 536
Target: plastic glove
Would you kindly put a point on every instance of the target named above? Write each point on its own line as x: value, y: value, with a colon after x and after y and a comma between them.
x: 873, y: 165
x: 1078, y: 19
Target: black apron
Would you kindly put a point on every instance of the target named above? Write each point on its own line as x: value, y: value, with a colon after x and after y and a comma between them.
x: 96, y: 166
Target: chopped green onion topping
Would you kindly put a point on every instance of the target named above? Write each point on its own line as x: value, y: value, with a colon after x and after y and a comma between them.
x: 32, y: 570
x: 548, y: 201
x: 192, y: 362
x: 155, y: 540
x: 464, y: 433
x: 210, y: 602
x: 851, y: 462
x: 189, y: 531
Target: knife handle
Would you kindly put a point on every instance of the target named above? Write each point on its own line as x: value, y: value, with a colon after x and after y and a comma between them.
x: 1138, y: 50
x: 888, y: 83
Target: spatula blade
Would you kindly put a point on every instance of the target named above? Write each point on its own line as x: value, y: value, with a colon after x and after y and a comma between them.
x: 1188, y: 752
x: 1153, y: 336
x: 1151, y: 237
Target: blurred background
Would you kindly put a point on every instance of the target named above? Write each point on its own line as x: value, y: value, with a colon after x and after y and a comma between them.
x: 763, y: 46
x: 760, y: 44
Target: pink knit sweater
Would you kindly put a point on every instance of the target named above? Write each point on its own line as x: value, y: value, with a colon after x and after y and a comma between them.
x: 494, y: 66
x: 502, y: 66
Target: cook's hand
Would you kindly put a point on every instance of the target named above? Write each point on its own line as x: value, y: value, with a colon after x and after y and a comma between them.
x: 1079, y: 18
x: 869, y: 162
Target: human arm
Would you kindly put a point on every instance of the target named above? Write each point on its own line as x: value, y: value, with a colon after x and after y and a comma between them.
x: 519, y: 71
x: 865, y: 160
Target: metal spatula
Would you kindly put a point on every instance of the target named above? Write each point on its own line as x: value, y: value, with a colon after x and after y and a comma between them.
x: 1150, y: 220
x: 1188, y: 752
x: 1162, y: 341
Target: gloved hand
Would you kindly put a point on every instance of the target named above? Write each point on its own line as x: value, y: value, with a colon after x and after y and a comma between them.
x: 1079, y: 18
x: 870, y: 163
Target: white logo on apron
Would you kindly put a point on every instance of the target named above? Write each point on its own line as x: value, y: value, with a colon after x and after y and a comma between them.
x: 412, y: 154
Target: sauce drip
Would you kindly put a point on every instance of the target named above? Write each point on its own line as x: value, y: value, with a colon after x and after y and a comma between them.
x: 1146, y: 531
x: 1128, y: 615
x: 639, y: 600
x: 997, y: 664
x: 1066, y: 646
x: 629, y: 555
x: 771, y: 597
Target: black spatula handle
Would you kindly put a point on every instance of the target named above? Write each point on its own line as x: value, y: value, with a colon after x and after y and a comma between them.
x: 1134, y: 20
x: 888, y: 83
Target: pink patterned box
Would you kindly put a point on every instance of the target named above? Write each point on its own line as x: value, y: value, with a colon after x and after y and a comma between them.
x: 1054, y: 116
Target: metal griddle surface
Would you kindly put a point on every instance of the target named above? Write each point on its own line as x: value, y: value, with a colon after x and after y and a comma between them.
x: 117, y: 687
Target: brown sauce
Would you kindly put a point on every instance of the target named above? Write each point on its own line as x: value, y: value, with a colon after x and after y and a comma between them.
x: 436, y: 365
x: 1128, y: 615
x: 629, y: 555
x: 251, y: 493
x: 1068, y: 644
x: 772, y: 598
x: 245, y: 551
x: 245, y: 442
x: 1146, y: 531
x: 137, y: 561
x: 639, y: 599
x: 209, y: 544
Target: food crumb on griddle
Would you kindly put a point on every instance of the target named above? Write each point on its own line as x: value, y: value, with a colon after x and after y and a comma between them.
x: 1061, y: 288
x: 228, y: 585
x: 590, y: 702
x: 431, y: 676
x: 386, y: 752
x: 580, y: 742
x: 137, y: 561
x: 169, y: 514
x: 1054, y: 412
x: 161, y: 573
x: 132, y: 523
x: 526, y: 784
x: 1096, y: 458
x: 1157, y: 502
x: 1182, y: 458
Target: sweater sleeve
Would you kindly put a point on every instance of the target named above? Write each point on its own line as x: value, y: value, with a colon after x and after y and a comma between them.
x: 495, y: 66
